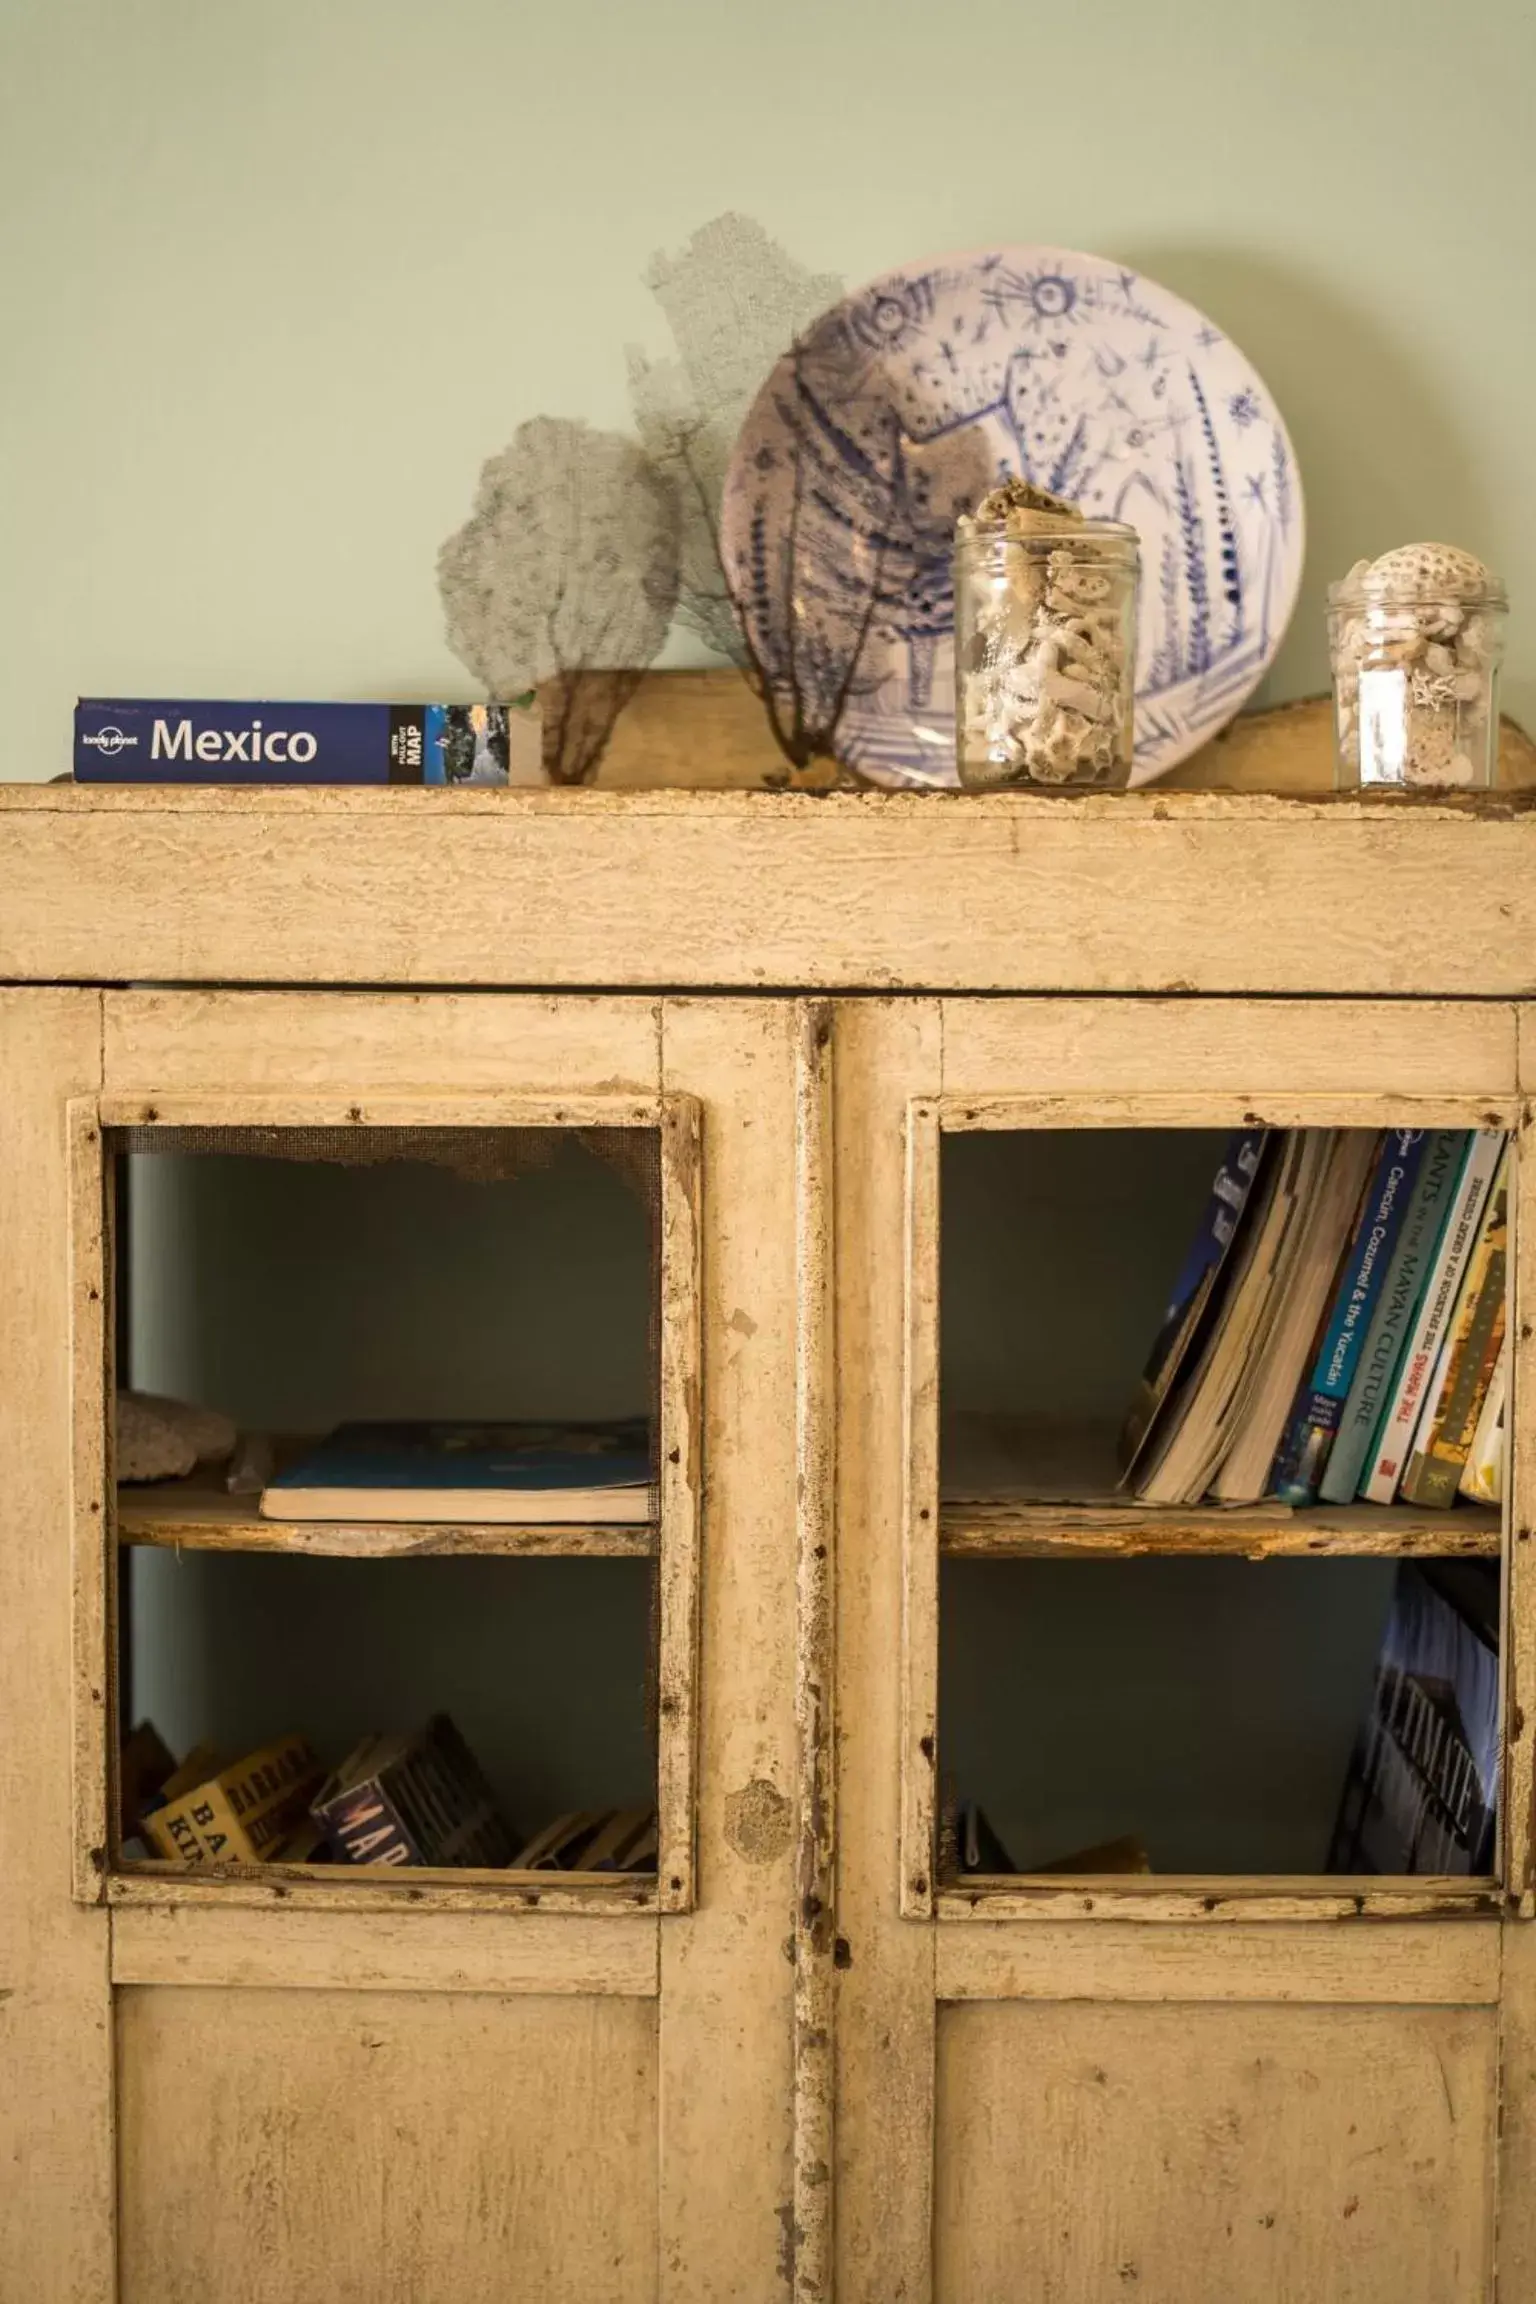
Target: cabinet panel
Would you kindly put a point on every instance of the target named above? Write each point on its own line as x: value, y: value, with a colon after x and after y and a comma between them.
x: 1100, y: 891
x: 180, y: 1041
x: 1286, y: 1047
x: 1087, y: 2153
x: 341, y: 2148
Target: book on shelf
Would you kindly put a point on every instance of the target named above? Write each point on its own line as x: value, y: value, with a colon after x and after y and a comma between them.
x: 593, y: 1840
x: 1189, y: 1445
x: 1421, y: 1793
x: 239, y: 1814
x: 510, y: 1475
x: 417, y: 1799
x: 1319, y: 1403
x: 1127, y: 1854
x: 306, y: 1843
x: 1197, y: 1278
x: 966, y: 1841
x: 1482, y: 1476
x: 1458, y: 1237
x: 557, y: 1846
x: 1326, y: 1224
x: 625, y: 1841
x: 1413, y: 1252
x: 1347, y: 1340
x: 144, y: 1768
x: 1474, y: 1343
x: 143, y: 740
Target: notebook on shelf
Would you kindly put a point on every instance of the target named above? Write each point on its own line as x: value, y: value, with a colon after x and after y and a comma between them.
x: 510, y: 1475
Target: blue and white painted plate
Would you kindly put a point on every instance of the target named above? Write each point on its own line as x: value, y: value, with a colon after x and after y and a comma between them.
x: 909, y: 399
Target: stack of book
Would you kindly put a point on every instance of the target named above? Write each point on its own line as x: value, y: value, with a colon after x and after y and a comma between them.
x: 250, y: 1811
x: 1338, y: 1328
x: 593, y: 1840
x: 418, y: 1799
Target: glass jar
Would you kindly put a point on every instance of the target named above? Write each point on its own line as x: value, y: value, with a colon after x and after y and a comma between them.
x: 1045, y: 652
x: 1416, y: 639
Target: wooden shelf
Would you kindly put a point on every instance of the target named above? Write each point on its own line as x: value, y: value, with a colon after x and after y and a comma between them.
x: 381, y: 1888
x: 1028, y: 1489
x: 209, y: 1519
x: 1220, y: 1898
x: 993, y: 1528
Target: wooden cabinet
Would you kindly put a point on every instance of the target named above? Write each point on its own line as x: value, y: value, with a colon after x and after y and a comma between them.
x: 854, y: 1040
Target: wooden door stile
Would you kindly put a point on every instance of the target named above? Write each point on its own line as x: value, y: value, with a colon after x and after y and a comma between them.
x: 888, y: 1055
x: 57, y: 2205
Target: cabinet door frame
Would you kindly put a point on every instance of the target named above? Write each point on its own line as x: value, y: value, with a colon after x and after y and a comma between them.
x: 674, y: 1119
x: 1190, y: 1898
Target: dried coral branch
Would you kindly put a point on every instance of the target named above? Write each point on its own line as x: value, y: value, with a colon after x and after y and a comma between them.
x: 565, y: 578
x: 797, y: 620
x: 818, y: 576
x: 734, y: 301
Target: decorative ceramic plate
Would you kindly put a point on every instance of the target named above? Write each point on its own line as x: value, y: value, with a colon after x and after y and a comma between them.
x: 907, y: 400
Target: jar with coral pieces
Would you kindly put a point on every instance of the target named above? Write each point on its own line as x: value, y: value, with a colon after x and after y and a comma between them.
x: 1045, y: 644
x: 1416, y: 639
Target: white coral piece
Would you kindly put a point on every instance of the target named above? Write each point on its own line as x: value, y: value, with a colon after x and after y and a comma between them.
x: 160, y: 1439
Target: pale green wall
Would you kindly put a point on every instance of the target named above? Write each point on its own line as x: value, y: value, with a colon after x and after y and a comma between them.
x: 278, y: 275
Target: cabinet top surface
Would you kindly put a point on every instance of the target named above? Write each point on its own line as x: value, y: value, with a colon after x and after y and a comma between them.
x: 766, y: 809
x: 1163, y: 891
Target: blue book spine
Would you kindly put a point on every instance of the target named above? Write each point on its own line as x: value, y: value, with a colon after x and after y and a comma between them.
x: 137, y: 740
x: 1396, y: 1308
x: 1230, y: 1191
x: 1319, y: 1405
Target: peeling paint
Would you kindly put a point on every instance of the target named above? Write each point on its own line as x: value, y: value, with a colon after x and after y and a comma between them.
x: 757, y: 1821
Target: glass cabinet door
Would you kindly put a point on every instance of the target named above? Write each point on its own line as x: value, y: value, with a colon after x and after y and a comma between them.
x: 1195, y: 1807
x: 432, y: 2029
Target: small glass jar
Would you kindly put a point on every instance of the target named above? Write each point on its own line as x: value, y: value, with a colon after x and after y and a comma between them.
x: 1416, y: 640
x: 1045, y: 652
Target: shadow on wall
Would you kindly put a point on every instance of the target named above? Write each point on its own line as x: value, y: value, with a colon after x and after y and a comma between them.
x: 1383, y: 460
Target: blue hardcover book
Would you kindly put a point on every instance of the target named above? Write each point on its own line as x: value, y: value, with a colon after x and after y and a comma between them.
x: 1386, y: 1339
x: 1320, y: 1399
x: 514, y: 1475
x: 136, y: 740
